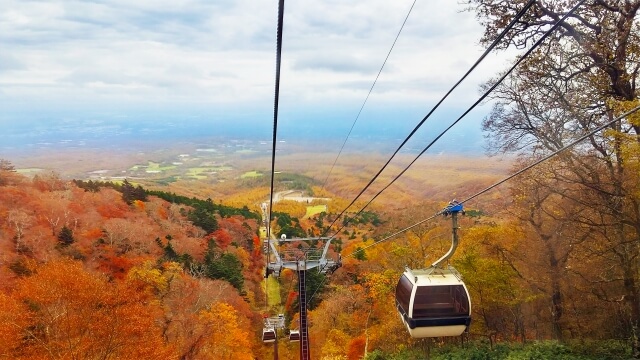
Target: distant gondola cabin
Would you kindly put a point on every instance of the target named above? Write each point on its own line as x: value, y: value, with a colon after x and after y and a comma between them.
x: 294, y: 335
x: 268, y: 335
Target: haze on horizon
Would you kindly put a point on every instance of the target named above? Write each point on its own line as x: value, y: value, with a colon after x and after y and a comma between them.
x: 109, y: 72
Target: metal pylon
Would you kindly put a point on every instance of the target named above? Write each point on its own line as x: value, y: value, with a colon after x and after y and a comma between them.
x: 300, y: 261
x: 304, y: 328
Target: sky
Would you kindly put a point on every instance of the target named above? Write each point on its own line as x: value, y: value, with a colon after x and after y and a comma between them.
x: 210, y: 65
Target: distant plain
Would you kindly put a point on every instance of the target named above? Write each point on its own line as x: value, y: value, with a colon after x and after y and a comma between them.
x: 221, y: 167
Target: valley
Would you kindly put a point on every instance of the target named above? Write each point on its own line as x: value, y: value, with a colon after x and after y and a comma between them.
x: 233, y: 170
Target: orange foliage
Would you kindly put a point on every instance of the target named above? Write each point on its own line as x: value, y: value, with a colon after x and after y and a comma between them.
x: 257, y: 262
x: 223, y: 238
x: 48, y: 182
x: 287, y: 275
x: 93, y: 233
x: 227, y: 340
x: 13, y: 196
x: 110, y: 211
x: 117, y: 266
x: 231, y: 223
x: 356, y: 348
x: 13, y: 319
x: 290, y: 299
x: 76, y: 207
x: 85, y: 316
x: 162, y: 213
x: 134, y: 310
x: 138, y: 205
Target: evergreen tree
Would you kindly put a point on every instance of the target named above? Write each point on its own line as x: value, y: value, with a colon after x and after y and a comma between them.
x: 203, y: 219
x: 139, y: 194
x: 170, y: 253
x: 65, y: 236
x: 128, y: 192
x: 315, y: 286
x: 225, y: 266
x: 359, y: 254
x: 289, y: 225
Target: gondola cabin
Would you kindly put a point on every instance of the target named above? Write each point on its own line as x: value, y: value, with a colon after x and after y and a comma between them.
x: 294, y: 335
x: 433, y: 302
x: 268, y: 335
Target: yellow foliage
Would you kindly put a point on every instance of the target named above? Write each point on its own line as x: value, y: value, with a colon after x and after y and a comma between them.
x: 315, y: 210
x: 293, y: 208
x: 242, y: 197
x: 336, y: 346
x: 321, y: 192
x: 381, y: 285
x: 153, y: 279
x: 620, y: 107
x: 148, y: 275
x: 228, y: 339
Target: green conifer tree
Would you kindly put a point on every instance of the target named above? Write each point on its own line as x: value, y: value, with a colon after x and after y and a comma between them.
x: 65, y: 236
x: 127, y: 192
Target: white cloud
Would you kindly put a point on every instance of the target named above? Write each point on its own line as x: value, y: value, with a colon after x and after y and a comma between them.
x: 222, y: 52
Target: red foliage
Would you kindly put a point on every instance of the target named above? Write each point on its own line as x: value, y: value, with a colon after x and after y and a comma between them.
x: 48, y: 182
x: 223, y: 238
x: 110, y: 211
x: 13, y: 196
x: 93, y: 234
x: 257, y: 262
x: 290, y: 299
x: 356, y: 348
x: 117, y: 266
x: 162, y: 213
x: 76, y: 208
x: 232, y: 224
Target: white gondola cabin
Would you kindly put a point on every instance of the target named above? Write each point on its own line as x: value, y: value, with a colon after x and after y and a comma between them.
x: 268, y: 335
x: 294, y: 335
x: 433, y: 302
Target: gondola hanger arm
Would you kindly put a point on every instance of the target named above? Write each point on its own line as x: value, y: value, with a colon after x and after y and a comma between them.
x: 453, y: 209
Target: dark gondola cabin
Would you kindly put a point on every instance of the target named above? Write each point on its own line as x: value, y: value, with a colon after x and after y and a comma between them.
x: 433, y: 302
x: 268, y: 335
x: 294, y: 335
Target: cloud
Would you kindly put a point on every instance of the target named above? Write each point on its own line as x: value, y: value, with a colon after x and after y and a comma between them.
x: 9, y: 62
x: 220, y: 54
x: 332, y: 63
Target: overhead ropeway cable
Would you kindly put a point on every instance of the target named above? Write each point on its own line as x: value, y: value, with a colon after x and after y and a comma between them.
x: 276, y: 101
x: 489, y: 188
x: 369, y: 94
x: 524, y: 169
x: 486, y: 93
x: 555, y: 26
x: 480, y: 59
